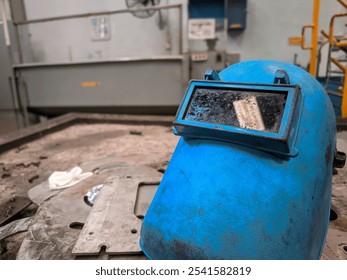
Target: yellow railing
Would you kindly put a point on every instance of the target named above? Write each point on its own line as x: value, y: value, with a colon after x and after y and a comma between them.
x: 343, y: 3
x: 314, y: 38
x: 332, y: 38
x: 334, y: 41
x: 338, y: 64
x: 303, y: 32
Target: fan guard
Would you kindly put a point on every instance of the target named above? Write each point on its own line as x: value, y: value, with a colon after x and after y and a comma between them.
x: 138, y: 4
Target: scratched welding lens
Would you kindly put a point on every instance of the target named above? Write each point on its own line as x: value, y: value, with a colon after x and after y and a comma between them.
x: 255, y: 110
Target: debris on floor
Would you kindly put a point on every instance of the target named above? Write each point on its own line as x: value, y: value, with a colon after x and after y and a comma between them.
x: 102, y: 149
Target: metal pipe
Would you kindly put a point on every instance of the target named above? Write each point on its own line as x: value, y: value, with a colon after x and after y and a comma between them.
x: 326, y: 35
x: 313, y: 59
x: 319, y: 55
x: 314, y: 38
x: 344, y: 97
x: 19, y: 45
x: 225, y: 33
x: 332, y: 40
x: 177, y: 6
x: 13, y: 88
x: 180, y: 26
x: 303, y: 36
x: 7, y: 35
x: 22, y: 101
x: 4, y: 22
x: 343, y: 3
x: 338, y: 64
x: 14, y: 101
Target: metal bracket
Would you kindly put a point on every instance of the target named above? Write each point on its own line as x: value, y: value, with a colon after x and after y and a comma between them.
x: 339, y: 159
x: 12, y: 207
x: 15, y: 227
x: 211, y: 75
x: 281, y: 77
x: 112, y: 222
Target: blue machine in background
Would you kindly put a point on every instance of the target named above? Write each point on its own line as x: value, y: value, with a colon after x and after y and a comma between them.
x: 251, y: 176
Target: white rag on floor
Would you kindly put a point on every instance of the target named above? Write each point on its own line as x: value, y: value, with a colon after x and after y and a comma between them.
x: 63, y: 179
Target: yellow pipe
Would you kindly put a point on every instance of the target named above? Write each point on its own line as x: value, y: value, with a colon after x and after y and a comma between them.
x: 344, y: 97
x: 343, y: 2
x: 313, y: 59
x: 332, y: 40
x: 303, y: 31
x: 341, y: 44
x: 326, y: 35
x: 338, y: 64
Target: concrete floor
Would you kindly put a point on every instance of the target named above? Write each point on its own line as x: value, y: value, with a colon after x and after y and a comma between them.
x: 148, y: 145
x: 337, y: 235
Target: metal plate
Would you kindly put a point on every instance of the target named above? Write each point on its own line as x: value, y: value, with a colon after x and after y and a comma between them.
x: 15, y: 227
x: 51, y: 235
x: 112, y: 222
x: 57, y: 224
x: 145, y: 195
x: 12, y: 207
x: 44, y: 90
x: 41, y: 192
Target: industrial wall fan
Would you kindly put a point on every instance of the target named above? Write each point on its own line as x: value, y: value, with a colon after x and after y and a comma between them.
x: 138, y: 4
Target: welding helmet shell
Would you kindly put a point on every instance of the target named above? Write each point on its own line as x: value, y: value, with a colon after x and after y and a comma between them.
x: 237, y: 192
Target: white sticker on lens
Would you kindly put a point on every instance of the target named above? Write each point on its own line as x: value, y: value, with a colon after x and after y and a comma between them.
x: 248, y: 113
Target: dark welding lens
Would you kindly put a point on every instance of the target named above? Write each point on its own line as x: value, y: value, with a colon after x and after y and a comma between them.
x: 255, y: 110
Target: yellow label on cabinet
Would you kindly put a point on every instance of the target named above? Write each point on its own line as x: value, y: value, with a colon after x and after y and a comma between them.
x: 235, y: 25
x: 90, y: 84
x: 294, y: 41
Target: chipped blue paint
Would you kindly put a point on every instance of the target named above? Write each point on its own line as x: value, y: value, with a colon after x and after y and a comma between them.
x: 223, y: 199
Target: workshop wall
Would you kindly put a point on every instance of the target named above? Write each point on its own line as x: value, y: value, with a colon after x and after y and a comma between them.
x: 269, y: 24
x: 70, y: 40
x: 5, y: 66
x: 5, y: 73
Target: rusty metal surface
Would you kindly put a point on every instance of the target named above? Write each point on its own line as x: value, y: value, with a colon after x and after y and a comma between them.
x: 145, y: 195
x: 41, y: 192
x: 15, y: 227
x: 52, y: 233
x: 12, y: 207
x: 59, y: 219
x: 112, y: 222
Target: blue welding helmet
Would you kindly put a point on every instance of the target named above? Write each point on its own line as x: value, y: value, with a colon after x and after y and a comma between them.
x: 251, y: 176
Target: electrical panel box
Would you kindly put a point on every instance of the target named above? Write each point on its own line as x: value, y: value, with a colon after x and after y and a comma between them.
x: 236, y: 13
x: 206, y: 8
